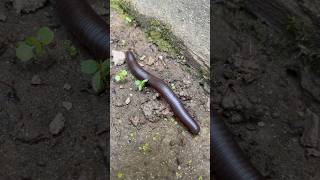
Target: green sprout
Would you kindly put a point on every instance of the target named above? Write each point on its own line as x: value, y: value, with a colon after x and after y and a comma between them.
x: 33, y: 47
x: 100, y: 72
x: 121, y: 75
x: 120, y: 175
x: 70, y: 48
x: 140, y: 84
x: 144, y: 148
x: 127, y: 19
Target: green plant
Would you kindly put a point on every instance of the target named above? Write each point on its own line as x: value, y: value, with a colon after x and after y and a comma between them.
x: 140, y: 84
x: 99, y: 70
x: 70, y: 48
x: 120, y: 175
x: 121, y: 75
x: 144, y: 148
x: 118, y: 5
x: 33, y: 47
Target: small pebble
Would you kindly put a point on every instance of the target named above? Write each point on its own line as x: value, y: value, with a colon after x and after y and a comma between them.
x: 36, y: 80
x: 151, y: 61
x: 142, y: 65
x: 128, y: 100
x: 67, y: 86
x: 67, y: 105
x: 142, y: 58
x: 3, y: 17
x: 57, y: 124
x: 118, y: 57
x: 261, y: 124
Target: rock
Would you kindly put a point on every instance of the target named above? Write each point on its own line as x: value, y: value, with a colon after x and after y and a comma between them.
x: 172, y: 143
x: 142, y: 65
x: 275, y: 114
x: 135, y: 121
x: 57, y: 124
x: 184, y: 96
x: 3, y: 17
x: 118, y: 57
x: 261, y: 124
x: 310, y: 135
x: 151, y: 61
x: 128, y: 100
x: 122, y: 43
x: 142, y: 58
x: 36, y: 80
x: 155, y: 96
x: 67, y: 105
x: 67, y: 86
x: 186, y: 82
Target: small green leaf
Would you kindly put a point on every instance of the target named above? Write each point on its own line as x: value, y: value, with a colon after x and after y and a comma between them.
x: 24, y: 52
x: 36, y: 44
x: 89, y: 66
x: 140, y: 84
x: 128, y: 19
x: 121, y: 75
x: 117, y: 78
x: 105, y: 67
x: 45, y: 35
x: 97, y: 82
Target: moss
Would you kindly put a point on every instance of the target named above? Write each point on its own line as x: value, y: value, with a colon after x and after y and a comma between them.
x: 156, y: 31
x: 304, y: 37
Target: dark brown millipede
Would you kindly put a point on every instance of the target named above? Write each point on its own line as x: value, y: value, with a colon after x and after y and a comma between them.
x: 156, y: 83
x: 229, y: 162
x: 86, y: 25
x: 92, y: 31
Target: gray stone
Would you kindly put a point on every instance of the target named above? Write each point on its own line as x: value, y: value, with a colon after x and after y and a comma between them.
x: 3, y: 17
x: 36, y: 80
x: 67, y: 86
x: 67, y: 105
x: 57, y: 124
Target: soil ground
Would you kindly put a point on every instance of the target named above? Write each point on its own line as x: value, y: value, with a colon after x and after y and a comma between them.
x: 267, y: 94
x: 146, y: 140
x: 28, y: 150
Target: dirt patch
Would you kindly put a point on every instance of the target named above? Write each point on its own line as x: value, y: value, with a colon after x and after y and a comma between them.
x: 52, y: 126
x: 146, y: 141
x: 267, y: 94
